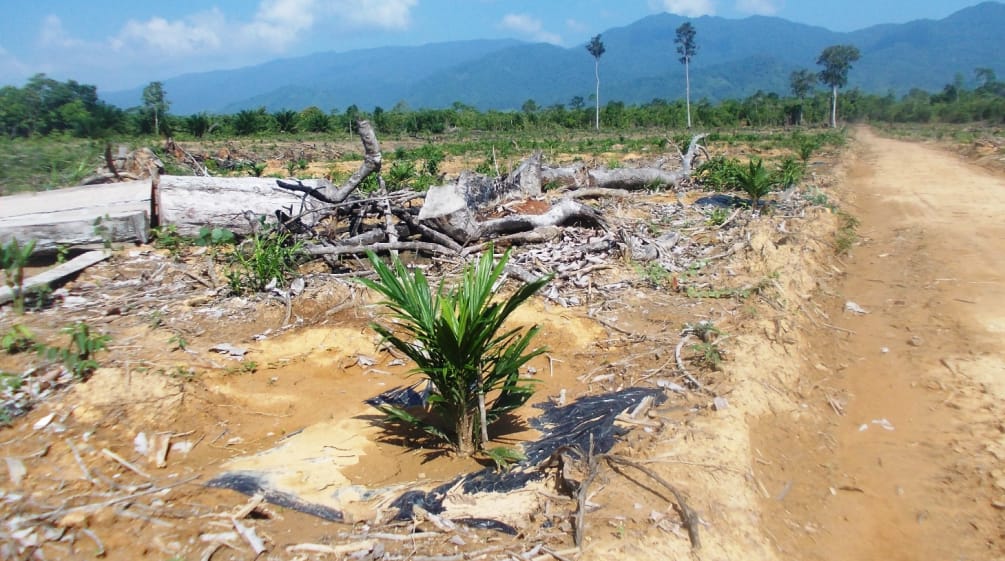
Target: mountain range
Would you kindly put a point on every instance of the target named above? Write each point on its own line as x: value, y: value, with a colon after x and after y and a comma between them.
x: 735, y: 58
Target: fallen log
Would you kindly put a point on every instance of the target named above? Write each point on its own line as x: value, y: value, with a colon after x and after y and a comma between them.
x: 59, y: 272
x: 577, y: 176
x: 111, y: 213
x: 238, y: 204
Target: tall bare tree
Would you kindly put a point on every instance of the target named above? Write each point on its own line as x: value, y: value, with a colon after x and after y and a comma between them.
x: 596, y: 48
x: 837, y: 60
x: 686, y: 48
x: 155, y: 100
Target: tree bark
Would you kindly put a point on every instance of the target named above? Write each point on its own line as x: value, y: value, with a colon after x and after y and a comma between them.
x: 687, y: 90
x: 235, y: 203
x: 834, y: 107
x: 115, y: 212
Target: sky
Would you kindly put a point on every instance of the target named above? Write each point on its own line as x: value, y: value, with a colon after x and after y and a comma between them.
x: 116, y: 44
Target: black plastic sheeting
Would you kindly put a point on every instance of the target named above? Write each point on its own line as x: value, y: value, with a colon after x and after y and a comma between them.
x: 252, y: 484
x: 586, y: 420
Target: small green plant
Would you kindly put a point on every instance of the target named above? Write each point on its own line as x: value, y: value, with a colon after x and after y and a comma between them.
x: 256, y: 169
x: 708, y: 352
x: 815, y: 196
x: 155, y: 319
x: 263, y: 259
x: 457, y: 340
x: 717, y: 216
x: 214, y: 237
x: 303, y: 164
x: 847, y: 233
x: 755, y: 181
x: 504, y: 457
x: 179, y: 372
x: 17, y: 339
x: 245, y: 367
x: 78, y: 356
x: 704, y: 330
x: 805, y: 150
x: 13, y: 258
x: 708, y: 355
x: 789, y: 172
x: 291, y: 166
x: 103, y: 231
x: 369, y: 185
x: 9, y: 382
x: 167, y: 237
x: 177, y: 342
x: 401, y: 175
x: 62, y: 250
x: 654, y: 274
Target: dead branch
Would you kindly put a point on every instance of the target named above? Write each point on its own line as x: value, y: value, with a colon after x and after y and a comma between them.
x: 689, y: 517
x: 383, y: 247
x: 371, y: 164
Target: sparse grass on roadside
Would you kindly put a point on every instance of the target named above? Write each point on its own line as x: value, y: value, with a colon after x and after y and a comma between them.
x: 847, y: 233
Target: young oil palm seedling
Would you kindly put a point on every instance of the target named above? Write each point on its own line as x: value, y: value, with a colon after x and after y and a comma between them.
x: 459, y: 344
x: 755, y: 181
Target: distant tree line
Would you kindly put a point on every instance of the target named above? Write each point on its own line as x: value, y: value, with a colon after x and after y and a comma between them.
x: 44, y: 106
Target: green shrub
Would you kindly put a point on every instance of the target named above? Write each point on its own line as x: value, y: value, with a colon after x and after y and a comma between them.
x: 263, y: 259
x: 17, y: 339
x: 719, y: 174
x: 79, y: 356
x: 458, y: 342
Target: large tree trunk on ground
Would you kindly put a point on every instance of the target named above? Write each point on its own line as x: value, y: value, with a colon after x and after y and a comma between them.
x: 579, y: 177
x: 117, y: 212
x: 237, y: 203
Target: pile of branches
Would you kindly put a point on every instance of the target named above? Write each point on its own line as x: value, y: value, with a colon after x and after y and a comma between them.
x: 459, y: 218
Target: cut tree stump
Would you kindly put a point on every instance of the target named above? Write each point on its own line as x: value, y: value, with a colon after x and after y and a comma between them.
x: 117, y: 212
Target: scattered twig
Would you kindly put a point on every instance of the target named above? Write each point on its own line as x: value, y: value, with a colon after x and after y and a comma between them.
x: 126, y: 464
x: 345, y: 549
x: 401, y: 537
x: 689, y: 517
x: 80, y: 462
x: 680, y: 362
x: 249, y: 535
x: 97, y: 541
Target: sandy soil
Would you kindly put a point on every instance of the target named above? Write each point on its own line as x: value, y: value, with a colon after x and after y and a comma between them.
x: 927, y: 359
x: 834, y: 435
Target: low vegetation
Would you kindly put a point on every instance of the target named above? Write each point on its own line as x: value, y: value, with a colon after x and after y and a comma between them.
x: 460, y: 345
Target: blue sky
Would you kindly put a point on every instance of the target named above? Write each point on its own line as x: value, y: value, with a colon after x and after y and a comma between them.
x: 119, y: 44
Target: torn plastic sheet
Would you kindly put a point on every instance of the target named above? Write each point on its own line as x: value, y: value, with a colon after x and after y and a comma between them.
x: 587, y: 420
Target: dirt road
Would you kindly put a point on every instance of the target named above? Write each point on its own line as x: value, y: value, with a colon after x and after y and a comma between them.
x: 907, y: 462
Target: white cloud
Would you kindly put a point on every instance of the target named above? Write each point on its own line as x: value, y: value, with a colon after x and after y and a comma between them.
x: 54, y: 35
x: 529, y: 26
x: 386, y: 14
x: 759, y: 7
x: 209, y: 39
x: 687, y: 8
x: 195, y: 34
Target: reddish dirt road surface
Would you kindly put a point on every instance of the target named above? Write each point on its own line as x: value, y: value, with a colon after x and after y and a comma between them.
x: 906, y: 459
